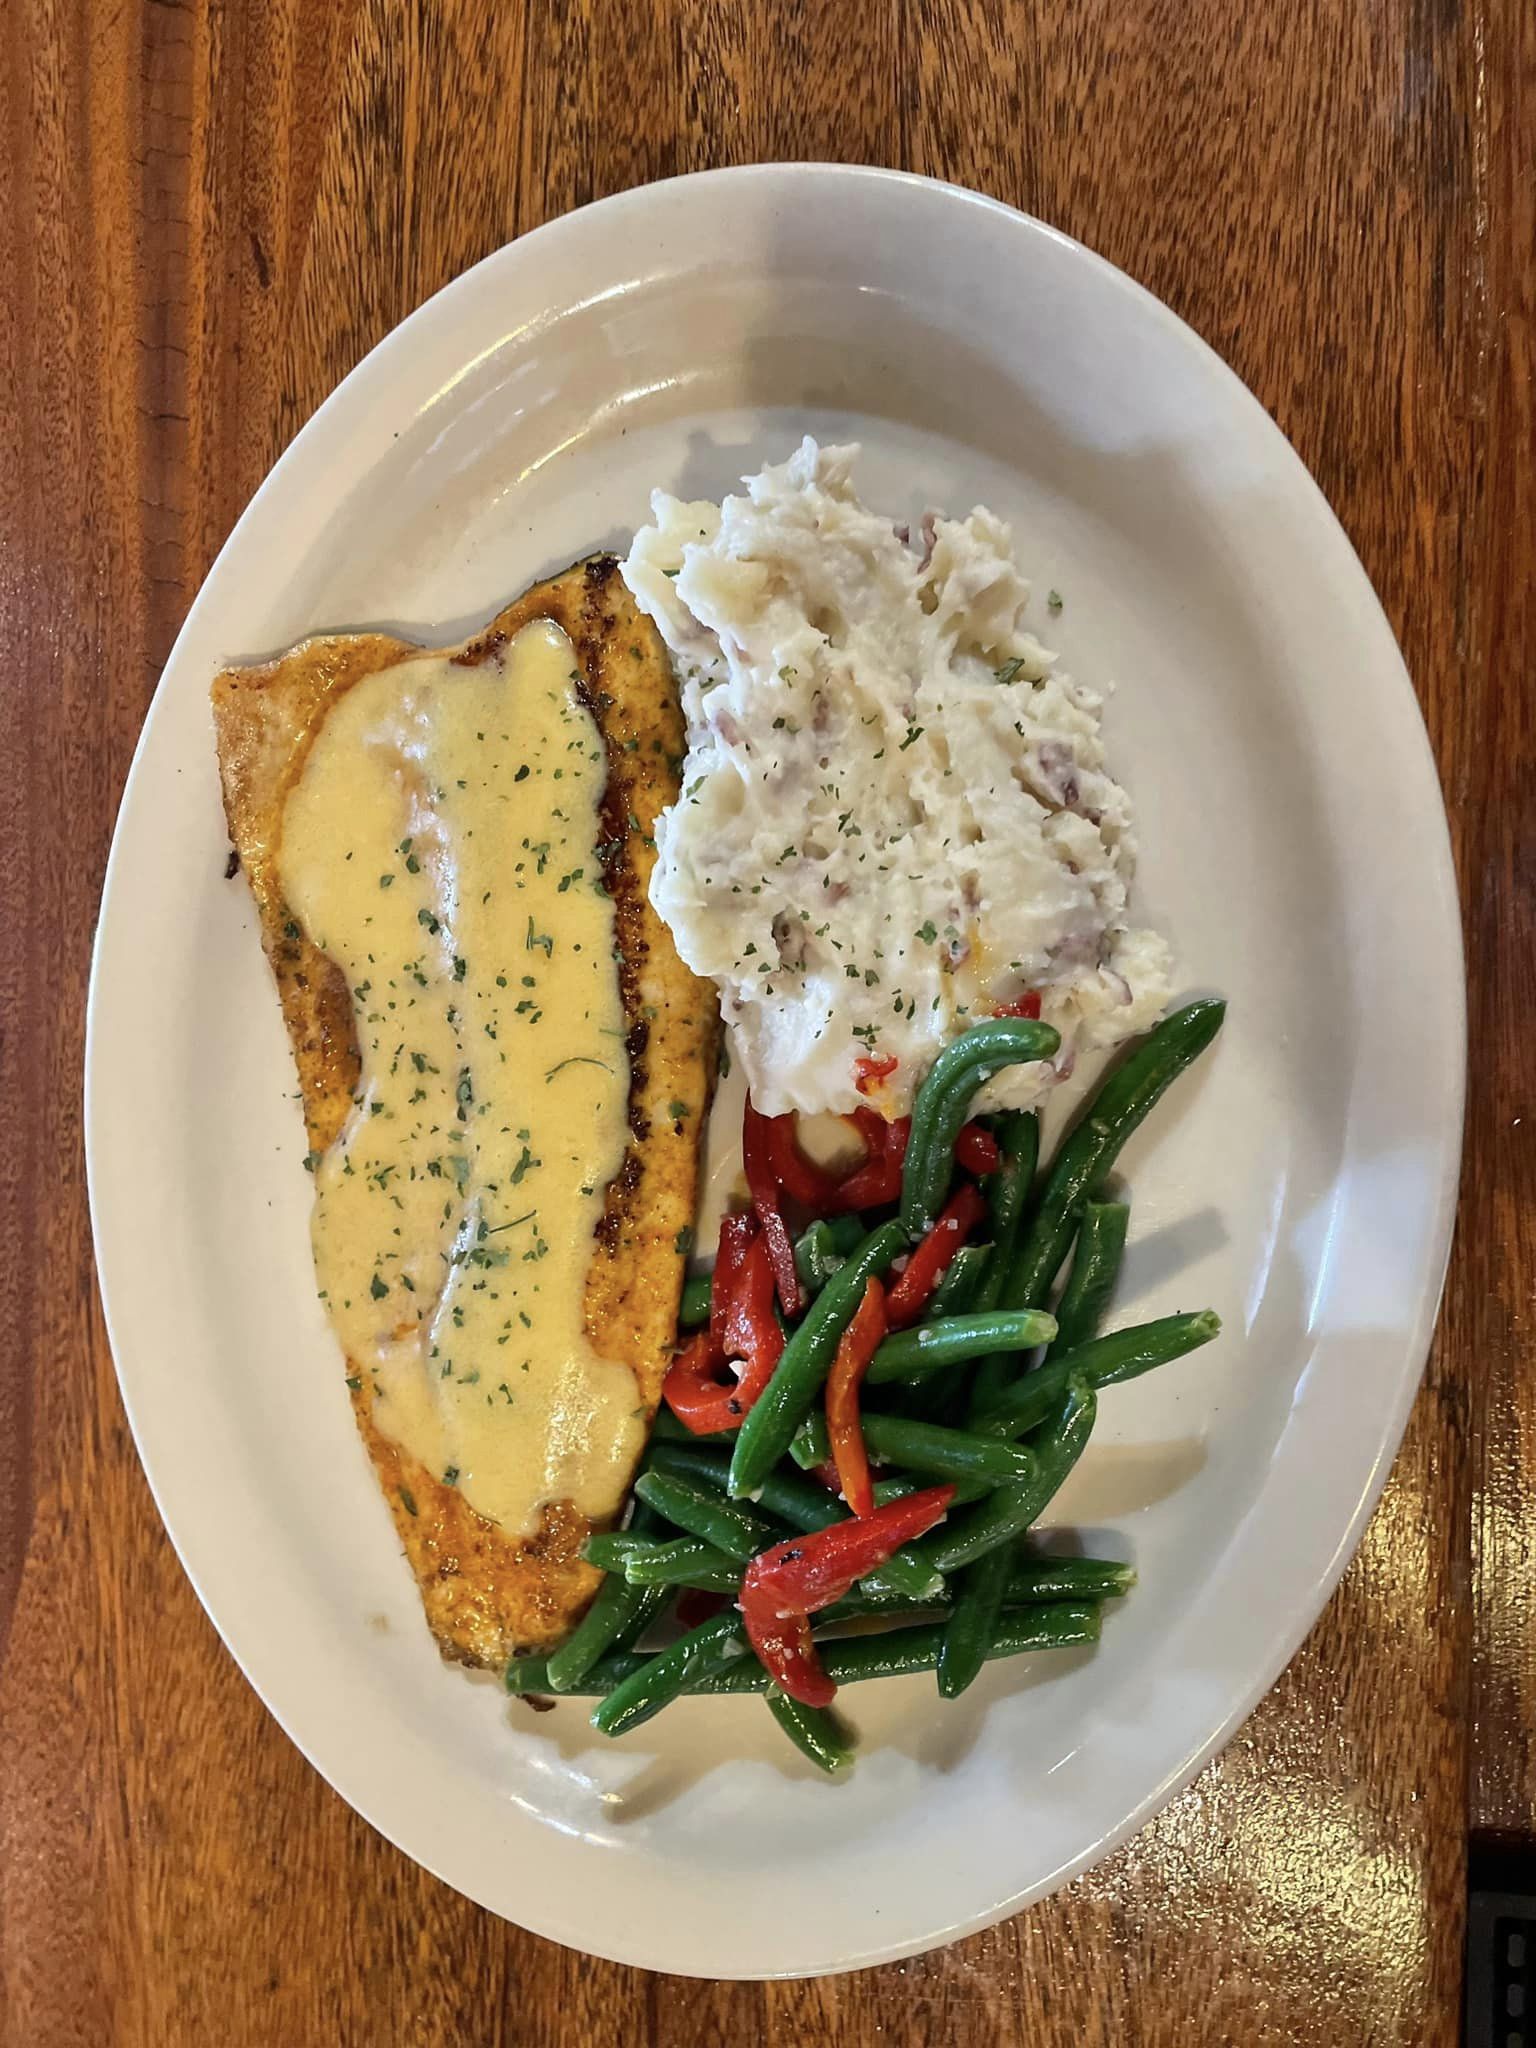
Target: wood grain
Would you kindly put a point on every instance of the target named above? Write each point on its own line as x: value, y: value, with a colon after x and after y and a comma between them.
x: 207, y: 214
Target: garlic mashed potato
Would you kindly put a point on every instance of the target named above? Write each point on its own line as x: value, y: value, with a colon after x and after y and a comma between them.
x: 895, y: 815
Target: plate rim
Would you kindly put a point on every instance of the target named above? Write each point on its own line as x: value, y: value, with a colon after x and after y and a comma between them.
x: 1286, y: 1638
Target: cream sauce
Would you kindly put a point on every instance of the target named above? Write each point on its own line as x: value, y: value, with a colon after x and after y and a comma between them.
x: 440, y: 846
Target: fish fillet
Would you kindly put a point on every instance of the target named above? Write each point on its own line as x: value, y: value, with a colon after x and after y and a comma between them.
x: 489, y: 1595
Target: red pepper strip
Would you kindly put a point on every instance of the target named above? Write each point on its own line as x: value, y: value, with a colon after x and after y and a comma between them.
x: 763, y: 1187
x: 878, y: 1180
x: 806, y: 1573
x: 796, y: 1174
x: 928, y: 1264
x: 976, y: 1150
x: 694, y: 1391
x: 784, y: 1586
x: 752, y: 1331
x: 855, y: 1348
x: 785, y: 1648
x: 736, y: 1233
x: 1028, y: 1005
x: 868, y: 1073
x: 875, y: 1181
x: 701, y: 1393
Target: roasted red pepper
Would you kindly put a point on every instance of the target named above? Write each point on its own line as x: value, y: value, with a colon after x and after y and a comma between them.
x: 783, y: 1587
x: 1028, y: 1005
x: 798, y: 1176
x: 926, y: 1268
x: 785, y: 1648
x: 855, y: 1348
x: 693, y: 1389
x: 776, y: 1166
x: 878, y: 1179
x: 736, y: 1234
x: 752, y: 1331
x: 699, y: 1388
x: 763, y: 1186
x: 869, y: 1073
x: 976, y: 1150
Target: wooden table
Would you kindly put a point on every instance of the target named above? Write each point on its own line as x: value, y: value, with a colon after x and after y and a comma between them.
x: 207, y: 214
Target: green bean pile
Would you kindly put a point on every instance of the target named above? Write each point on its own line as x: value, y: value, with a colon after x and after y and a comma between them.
x: 990, y: 1391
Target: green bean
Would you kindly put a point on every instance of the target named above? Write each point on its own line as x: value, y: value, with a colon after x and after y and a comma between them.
x: 1048, y: 1623
x: 693, y: 1309
x: 923, y: 1447
x: 823, y: 1248
x: 1067, y: 1578
x: 526, y: 1675
x: 811, y: 1444
x: 1007, y: 1192
x: 804, y: 1505
x: 609, y: 1548
x: 695, y: 1458
x: 1093, y: 1144
x: 962, y: 1279
x: 618, y: 1616
x: 1030, y: 1581
x: 666, y: 1429
x: 926, y: 1347
x: 893, y: 1652
x: 943, y: 1103
x: 705, y: 1652
x: 943, y: 1453
x: 973, y: 1621
x: 1096, y: 1260
x: 964, y: 1284
x: 1010, y: 1510
x: 815, y: 1732
x: 685, y: 1561
x: 699, y: 1511
x: 1008, y: 1199
x: 1106, y: 1362
x: 777, y: 1413
x: 928, y: 1362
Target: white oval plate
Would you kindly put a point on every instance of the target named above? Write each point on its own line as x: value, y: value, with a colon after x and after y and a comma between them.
x: 1301, y: 1182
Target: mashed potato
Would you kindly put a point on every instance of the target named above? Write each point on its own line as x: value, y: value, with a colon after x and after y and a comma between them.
x: 895, y: 815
